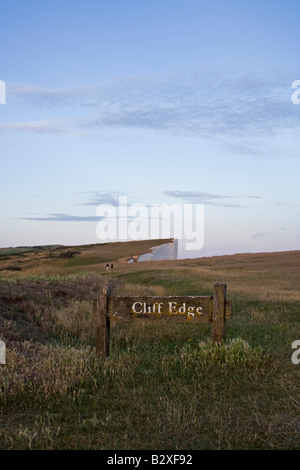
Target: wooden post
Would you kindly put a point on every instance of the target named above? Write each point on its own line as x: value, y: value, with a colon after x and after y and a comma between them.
x: 215, y: 309
x: 218, y: 320
x: 102, y: 323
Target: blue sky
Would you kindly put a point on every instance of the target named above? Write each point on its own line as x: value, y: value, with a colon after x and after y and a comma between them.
x: 166, y: 101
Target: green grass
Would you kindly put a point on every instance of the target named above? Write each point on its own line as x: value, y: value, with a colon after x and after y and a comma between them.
x: 158, y: 390
x: 164, y: 386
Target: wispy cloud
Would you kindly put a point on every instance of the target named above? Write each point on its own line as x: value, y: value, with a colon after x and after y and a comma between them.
x: 57, y: 217
x: 253, y: 197
x: 95, y: 198
x: 207, y: 104
x: 45, y: 97
x: 38, y: 127
x: 194, y: 196
x: 235, y: 109
x: 260, y: 235
x: 203, y: 198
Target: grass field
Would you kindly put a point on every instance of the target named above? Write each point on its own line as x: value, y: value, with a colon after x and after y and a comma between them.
x: 164, y: 385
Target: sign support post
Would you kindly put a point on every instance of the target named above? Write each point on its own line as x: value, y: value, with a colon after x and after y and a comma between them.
x: 215, y: 309
x: 102, y: 322
x: 218, y: 320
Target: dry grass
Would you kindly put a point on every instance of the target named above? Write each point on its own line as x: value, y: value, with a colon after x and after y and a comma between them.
x: 164, y: 386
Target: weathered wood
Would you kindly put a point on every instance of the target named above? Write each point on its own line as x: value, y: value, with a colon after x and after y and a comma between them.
x: 219, y: 307
x: 228, y: 309
x: 215, y: 309
x: 178, y: 308
x: 95, y: 306
x: 102, y: 323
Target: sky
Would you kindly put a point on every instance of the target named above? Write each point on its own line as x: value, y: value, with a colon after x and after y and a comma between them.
x: 163, y: 101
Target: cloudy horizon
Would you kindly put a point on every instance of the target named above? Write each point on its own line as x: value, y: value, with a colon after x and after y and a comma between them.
x: 164, y: 103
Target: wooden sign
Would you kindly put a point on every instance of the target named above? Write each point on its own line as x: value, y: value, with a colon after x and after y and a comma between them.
x: 215, y: 309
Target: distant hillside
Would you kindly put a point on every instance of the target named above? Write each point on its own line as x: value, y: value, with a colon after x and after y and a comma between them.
x: 59, y: 259
x: 26, y: 249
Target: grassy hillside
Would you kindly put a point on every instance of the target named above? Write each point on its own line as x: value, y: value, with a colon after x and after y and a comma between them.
x: 64, y: 260
x: 164, y: 385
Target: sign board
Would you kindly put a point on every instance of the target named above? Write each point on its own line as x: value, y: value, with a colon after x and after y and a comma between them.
x: 175, y: 308
x: 215, y: 309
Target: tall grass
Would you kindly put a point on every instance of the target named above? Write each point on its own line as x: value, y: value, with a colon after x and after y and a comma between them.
x: 165, y: 385
x: 171, y: 394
